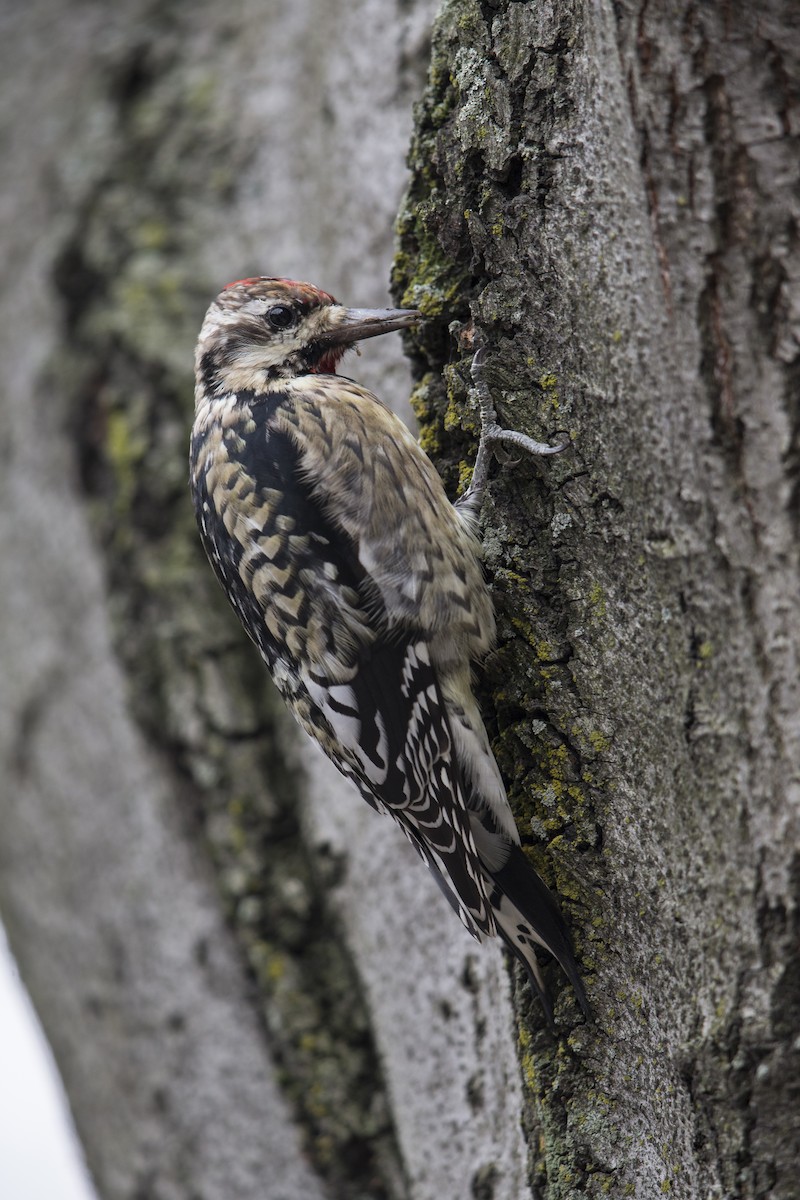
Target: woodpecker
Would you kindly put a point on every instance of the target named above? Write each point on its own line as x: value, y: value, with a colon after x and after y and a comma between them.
x: 362, y: 587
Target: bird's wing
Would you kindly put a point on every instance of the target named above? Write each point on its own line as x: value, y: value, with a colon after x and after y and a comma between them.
x: 368, y: 472
x: 362, y: 686
x: 372, y: 683
x: 391, y: 721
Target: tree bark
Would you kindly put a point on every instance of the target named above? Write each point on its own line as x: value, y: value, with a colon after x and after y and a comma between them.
x: 605, y: 197
x: 251, y: 986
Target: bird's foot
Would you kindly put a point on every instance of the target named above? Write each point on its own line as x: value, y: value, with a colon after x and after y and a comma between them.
x: 493, y: 436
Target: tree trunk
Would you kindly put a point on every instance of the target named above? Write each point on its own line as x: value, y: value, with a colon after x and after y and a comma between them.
x: 250, y: 984
x: 606, y: 197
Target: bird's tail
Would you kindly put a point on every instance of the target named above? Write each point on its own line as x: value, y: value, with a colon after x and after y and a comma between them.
x: 528, y: 915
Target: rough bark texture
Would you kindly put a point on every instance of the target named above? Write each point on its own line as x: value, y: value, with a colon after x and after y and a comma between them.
x: 609, y: 192
x: 250, y: 984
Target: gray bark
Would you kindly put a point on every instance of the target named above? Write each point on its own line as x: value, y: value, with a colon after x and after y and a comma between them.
x: 610, y: 194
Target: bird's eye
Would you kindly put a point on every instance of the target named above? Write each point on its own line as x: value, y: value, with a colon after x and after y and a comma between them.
x: 281, y: 316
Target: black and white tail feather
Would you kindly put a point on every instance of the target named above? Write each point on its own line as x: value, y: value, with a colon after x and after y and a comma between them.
x: 482, y: 872
x: 527, y: 915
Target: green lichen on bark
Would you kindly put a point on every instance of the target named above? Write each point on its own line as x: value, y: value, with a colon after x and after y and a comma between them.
x: 470, y: 259
x: 467, y: 233
x: 132, y: 306
x: 554, y: 154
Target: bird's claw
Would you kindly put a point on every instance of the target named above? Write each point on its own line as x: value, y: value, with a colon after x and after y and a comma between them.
x: 493, y: 436
x: 477, y: 365
x: 512, y: 437
x: 491, y: 432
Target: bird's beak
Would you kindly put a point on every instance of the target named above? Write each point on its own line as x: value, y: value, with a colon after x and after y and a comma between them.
x: 355, y: 324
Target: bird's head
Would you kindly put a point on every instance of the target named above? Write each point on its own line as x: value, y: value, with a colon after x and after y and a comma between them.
x: 261, y: 331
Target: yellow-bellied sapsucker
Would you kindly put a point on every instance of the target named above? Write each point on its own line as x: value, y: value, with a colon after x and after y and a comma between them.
x: 362, y: 586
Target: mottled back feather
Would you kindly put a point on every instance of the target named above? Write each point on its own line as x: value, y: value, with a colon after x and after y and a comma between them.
x: 343, y: 644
